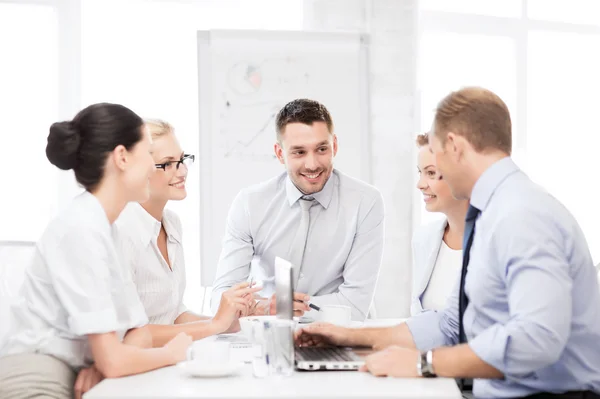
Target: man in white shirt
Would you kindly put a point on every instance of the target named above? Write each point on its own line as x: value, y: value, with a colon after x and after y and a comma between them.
x: 328, y: 225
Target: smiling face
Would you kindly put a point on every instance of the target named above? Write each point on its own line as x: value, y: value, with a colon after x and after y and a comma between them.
x: 168, y: 183
x: 307, y: 151
x: 436, y: 193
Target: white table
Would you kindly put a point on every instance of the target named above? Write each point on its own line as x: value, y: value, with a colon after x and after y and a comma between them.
x: 169, y: 382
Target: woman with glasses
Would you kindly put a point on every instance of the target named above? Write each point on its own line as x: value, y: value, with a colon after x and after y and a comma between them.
x: 149, y: 238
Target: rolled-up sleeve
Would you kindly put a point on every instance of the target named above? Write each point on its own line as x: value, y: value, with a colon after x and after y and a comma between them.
x: 431, y: 329
x: 237, y: 251
x: 539, y: 287
x: 361, y: 268
x: 80, y: 274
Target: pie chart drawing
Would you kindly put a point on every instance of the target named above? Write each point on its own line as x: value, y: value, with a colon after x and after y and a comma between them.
x: 245, y: 78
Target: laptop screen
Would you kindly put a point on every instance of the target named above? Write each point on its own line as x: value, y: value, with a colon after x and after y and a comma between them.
x: 284, y: 295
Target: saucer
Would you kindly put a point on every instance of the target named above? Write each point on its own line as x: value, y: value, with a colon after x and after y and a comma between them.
x: 199, y: 369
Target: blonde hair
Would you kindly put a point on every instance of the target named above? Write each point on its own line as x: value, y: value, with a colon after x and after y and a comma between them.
x: 477, y: 114
x: 422, y: 140
x: 158, y: 127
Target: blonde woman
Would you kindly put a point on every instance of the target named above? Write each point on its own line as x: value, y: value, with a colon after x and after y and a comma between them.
x: 437, y: 247
x: 150, y: 239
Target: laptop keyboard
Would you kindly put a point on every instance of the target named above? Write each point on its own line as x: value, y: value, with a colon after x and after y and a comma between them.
x: 332, y: 354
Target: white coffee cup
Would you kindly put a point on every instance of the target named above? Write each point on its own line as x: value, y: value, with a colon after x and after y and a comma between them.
x: 209, y: 351
x: 336, y: 314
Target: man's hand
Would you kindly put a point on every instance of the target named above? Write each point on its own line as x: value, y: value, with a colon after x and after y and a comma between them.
x: 268, y: 306
x: 324, y: 334
x: 395, y: 361
x: 235, y: 303
x: 86, y: 380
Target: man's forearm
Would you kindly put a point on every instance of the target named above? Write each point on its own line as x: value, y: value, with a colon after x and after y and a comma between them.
x: 380, y: 338
x: 461, y: 362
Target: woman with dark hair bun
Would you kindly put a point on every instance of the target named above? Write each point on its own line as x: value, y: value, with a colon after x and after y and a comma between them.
x: 78, y: 309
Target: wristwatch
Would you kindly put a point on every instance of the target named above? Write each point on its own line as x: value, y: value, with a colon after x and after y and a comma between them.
x: 425, y: 365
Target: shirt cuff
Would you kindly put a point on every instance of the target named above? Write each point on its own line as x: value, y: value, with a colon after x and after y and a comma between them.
x: 425, y: 330
x: 490, y: 346
x: 98, y: 322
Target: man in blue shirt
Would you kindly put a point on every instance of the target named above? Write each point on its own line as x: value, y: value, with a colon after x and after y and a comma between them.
x: 524, y: 318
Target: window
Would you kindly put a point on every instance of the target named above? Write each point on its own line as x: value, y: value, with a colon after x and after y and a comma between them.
x: 29, y: 89
x: 562, y: 138
x: 571, y: 11
x: 450, y: 61
x: 544, y: 64
x: 497, y: 8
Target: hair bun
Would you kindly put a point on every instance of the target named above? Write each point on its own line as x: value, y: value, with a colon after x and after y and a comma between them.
x: 63, y: 145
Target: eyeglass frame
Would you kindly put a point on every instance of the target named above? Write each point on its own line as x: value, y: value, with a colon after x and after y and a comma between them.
x: 184, y: 157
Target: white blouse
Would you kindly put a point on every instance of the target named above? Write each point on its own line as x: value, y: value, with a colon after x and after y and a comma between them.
x: 447, y: 268
x: 160, y: 288
x: 74, y: 286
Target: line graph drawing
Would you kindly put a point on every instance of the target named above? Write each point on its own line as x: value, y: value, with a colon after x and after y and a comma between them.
x: 253, y: 92
x: 245, y: 144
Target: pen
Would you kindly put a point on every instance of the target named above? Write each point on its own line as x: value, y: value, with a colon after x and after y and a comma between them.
x: 310, y: 305
x: 315, y: 307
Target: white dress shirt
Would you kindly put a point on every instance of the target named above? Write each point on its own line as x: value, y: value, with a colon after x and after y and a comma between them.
x: 159, y: 286
x: 447, y: 267
x: 343, y: 249
x: 74, y: 286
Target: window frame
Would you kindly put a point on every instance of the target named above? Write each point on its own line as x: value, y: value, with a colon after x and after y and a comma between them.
x: 517, y: 29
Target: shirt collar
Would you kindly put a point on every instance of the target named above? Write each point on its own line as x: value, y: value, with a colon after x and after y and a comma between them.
x: 323, y: 197
x: 490, y: 180
x: 173, y: 232
x: 150, y: 227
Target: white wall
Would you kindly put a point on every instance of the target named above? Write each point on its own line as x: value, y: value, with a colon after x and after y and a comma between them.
x: 392, y: 26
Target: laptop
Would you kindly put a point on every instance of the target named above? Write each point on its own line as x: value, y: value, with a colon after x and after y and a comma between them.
x: 309, y: 358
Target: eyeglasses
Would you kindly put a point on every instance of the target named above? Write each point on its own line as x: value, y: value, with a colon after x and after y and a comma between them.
x: 186, y: 159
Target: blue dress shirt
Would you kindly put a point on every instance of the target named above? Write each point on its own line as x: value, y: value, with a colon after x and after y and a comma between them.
x: 534, y: 301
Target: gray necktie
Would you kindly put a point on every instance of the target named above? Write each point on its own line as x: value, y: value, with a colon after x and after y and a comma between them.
x: 296, y: 253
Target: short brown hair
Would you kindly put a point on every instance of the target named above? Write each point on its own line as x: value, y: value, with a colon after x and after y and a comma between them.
x: 422, y: 140
x: 302, y: 111
x: 478, y: 115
